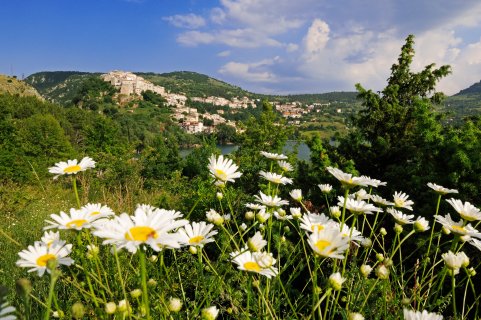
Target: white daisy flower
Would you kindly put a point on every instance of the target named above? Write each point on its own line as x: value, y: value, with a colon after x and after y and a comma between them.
x: 336, y: 281
x: 335, y: 211
x: 275, y: 178
x: 247, y: 262
x: 196, y: 234
x: 280, y: 214
x: 401, y: 201
x: 214, y: 217
x: 50, y: 237
x: 256, y: 243
x: 152, y: 228
x: 296, y: 212
x: 285, y: 166
x: 347, y: 179
x: 362, y: 194
x: 355, y: 316
x: 98, y: 210
x: 357, y: 207
x: 420, y: 315
x: 262, y: 216
x: 264, y: 259
x: 76, y: 220
x: 441, y: 190
x: 270, y: 201
x: 37, y: 256
x: 325, y: 188
x: 329, y: 243
x: 296, y: 194
x: 421, y: 224
x: 380, y: 200
x: 353, y: 235
x: 454, y: 261
x: 209, y: 313
x: 273, y: 156
x: 400, y: 217
x: 373, y: 182
x: 71, y: 166
x: 223, y: 169
x: 466, y: 210
x: 255, y: 206
x: 457, y: 227
x: 313, y: 222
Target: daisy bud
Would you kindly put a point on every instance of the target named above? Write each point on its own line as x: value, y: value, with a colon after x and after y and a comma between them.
x: 219, y: 195
x: 193, y: 249
x: 366, y: 243
x: 283, y: 239
x: 151, y: 282
x: 464, y: 258
x: 421, y: 225
x: 256, y: 243
x: 471, y: 272
x: 296, y: 212
x: 382, y: 272
x: 230, y: 310
x: 262, y: 227
x: 406, y: 301
x: 23, y: 287
x: 296, y: 194
x: 281, y: 212
x: 262, y: 216
x: 250, y: 215
x: 398, y: 229
x: 325, y: 188
x: 335, y: 212
x: 58, y: 314
x: 383, y: 231
x: 110, y: 307
x: 255, y: 283
x: 175, y: 304
x: 78, y: 310
x: 388, y: 262
x: 209, y: 313
x: 287, y: 229
x: 92, y: 250
x: 355, y: 316
x: 243, y: 227
x: 153, y: 258
x: 365, y: 270
x: 135, y: 293
x: 123, y: 305
x: 379, y: 257
x: 336, y: 281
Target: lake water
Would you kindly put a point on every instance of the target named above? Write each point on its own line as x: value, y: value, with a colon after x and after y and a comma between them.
x: 303, y: 151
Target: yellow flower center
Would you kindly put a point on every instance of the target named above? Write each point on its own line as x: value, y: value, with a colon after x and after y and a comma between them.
x: 219, y: 173
x: 72, y: 169
x: 42, y: 260
x: 319, y: 227
x: 399, y: 202
x: 322, y: 245
x: 95, y: 213
x: 140, y: 234
x: 458, y: 229
x: 196, y: 240
x: 252, y: 266
x: 76, y: 223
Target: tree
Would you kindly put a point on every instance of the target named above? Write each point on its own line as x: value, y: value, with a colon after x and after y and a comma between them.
x: 397, y: 133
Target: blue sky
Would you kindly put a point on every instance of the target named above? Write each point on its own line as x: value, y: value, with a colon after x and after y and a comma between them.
x: 264, y: 46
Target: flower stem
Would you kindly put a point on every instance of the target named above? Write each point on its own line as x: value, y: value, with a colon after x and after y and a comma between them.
x: 143, y: 275
x: 53, y: 279
x: 74, y: 181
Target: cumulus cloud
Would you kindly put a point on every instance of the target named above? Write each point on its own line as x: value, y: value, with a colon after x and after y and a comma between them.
x: 254, y: 72
x: 188, y: 21
x: 224, y: 53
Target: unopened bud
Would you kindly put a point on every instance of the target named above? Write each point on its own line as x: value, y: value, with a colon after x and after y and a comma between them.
x: 398, y: 229
x: 23, y: 286
x: 135, y: 293
x: 110, y: 307
x: 78, y: 310
x: 193, y: 249
x: 175, y: 304
x: 383, y: 231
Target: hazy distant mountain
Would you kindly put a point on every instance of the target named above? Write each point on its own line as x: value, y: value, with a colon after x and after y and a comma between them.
x: 465, y: 103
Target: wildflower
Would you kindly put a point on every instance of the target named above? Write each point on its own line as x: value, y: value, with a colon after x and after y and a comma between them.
x: 135, y: 293
x: 400, y: 217
x: 243, y: 226
x: 175, y: 304
x: 421, y: 224
x: 270, y: 201
x: 373, y: 182
x: 246, y: 261
x: 382, y: 272
x: 209, y: 313
x: 110, y: 307
x: 37, y: 256
x: 214, y: 217
x: 196, y: 234
x: 401, y: 201
x: 471, y: 272
x: 193, y: 250
x: 152, y: 282
x: 379, y: 257
x: 152, y: 228
x: 295, y: 212
x: 361, y: 194
x: 275, y: 178
x: 380, y: 200
x: 366, y: 243
x: 78, y: 310
x: 357, y: 207
x: 256, y: 243
x: 50, y: 237
x: 314, y: 222
x: 97, y: 210
x: 457, y: 227
x: 346, y: 179
x: 453, y: 261
x: 335, y: 211
x: 336, y: 281
x: 365, y: 270
x: 255, y: 206
x: 264, y: 259
x: 476, y: 243
x: 71, y: 166
x: 285, y: 166
x: 420, y: 315
x: 296, y: 194
x: 223, y: 169
x: 355, y: 316
x: 325, y: 188
x: 352, y: 234
x: 280, y: 214
x: 262, y: 216
x: 124, y: 305
x: 466, y: 210
x: 328, y: 243
x: 249, y: 215
x: 441, y: 190
x: 273, y: 156
x: 219, y: 195
x: 77, y: 220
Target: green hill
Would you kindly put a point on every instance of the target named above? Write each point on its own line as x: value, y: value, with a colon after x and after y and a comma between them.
x: 466, y: 103
x: 16, y: 87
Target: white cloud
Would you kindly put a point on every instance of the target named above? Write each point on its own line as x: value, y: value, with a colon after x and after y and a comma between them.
x: 188, y: 21
x: 316, y: 38
x: 224, y: 53
x: 239, y: 38
x: 253, y: 72
x: 291, y: 47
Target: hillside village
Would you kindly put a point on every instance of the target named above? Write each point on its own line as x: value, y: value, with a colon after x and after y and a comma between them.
x: 188, y: 117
